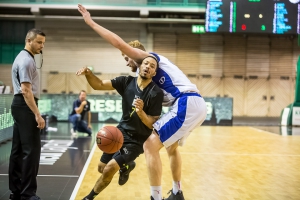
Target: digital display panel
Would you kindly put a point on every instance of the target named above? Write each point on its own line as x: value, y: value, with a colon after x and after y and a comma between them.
x: 253, y: 16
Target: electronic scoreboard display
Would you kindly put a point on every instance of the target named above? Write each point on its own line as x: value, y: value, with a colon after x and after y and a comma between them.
x: 253, y: 16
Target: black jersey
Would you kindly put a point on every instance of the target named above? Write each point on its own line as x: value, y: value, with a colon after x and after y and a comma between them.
x: 152, y: 96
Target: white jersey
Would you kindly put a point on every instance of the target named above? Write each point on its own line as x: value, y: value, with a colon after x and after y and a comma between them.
x: 171, y: 80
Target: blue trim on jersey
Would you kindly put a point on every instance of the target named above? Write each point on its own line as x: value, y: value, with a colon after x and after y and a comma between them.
x: 156, y: 56
x: 189, y: 94
x: 175, y: 123
x: 167, y: 83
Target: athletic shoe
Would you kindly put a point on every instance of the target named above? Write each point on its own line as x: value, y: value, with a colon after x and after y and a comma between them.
x: 73, y: 132
x: 11, y: 196
x: 124, y: 172
x: 178, y: 196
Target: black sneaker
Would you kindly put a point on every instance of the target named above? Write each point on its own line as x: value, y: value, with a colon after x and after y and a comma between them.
x: 13, y: 196
x: 178, y: 196
x: 124, y: 172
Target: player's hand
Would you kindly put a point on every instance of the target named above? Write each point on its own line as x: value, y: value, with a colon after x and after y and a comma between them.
x: 139, y: 105
x: 83, y: 71
x: 83, y: 103
x: 85, y: 14
x: 40, y: 121
x: 89, y: 126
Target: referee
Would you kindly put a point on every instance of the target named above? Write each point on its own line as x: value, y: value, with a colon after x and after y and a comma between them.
x: 26, y: 143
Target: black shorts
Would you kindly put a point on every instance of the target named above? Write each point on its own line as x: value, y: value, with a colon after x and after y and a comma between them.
x: 130, y: 150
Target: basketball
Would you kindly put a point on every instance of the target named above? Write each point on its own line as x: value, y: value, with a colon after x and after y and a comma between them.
x: 109, y: 139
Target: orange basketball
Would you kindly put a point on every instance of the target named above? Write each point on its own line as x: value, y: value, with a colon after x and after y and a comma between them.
x: 109, y: 139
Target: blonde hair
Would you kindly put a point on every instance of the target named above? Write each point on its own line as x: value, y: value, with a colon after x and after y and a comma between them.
x: 136, y: 44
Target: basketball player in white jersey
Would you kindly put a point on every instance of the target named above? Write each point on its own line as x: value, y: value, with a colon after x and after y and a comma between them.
x: 187, y: 111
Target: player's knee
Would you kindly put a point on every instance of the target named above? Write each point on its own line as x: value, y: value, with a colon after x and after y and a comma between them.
x: 101, y: 167
x: 109, y: 170
x: 146, y: 147
x: 78, y: 117
x: 152, y: 144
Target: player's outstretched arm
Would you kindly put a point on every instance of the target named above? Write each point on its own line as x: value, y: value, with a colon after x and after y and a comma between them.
x: 94, y: 81
x: 136, y: 54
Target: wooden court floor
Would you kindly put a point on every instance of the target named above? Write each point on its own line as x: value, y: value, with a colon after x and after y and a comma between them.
x: 219, y: 163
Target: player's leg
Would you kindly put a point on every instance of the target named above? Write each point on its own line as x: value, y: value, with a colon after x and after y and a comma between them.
x: 154, y: 165
x: 107, y: 175
x: 128, y: 153
x: 186, y: 113
x: 175, y: 161
x: 114, y: 161
x: 175, y: 165
x: 164, y: 129
x: 101, y: 167
x: 104, y: 160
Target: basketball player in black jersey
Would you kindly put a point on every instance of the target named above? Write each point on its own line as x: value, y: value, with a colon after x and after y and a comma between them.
x: 141, y: 106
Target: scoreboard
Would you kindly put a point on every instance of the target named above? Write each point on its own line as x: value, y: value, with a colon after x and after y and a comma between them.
x: 253, y: 16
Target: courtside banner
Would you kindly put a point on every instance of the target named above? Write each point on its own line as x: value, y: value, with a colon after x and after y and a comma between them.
x: 104, y: 108
x: 108, y: 108
x: 296, y: 116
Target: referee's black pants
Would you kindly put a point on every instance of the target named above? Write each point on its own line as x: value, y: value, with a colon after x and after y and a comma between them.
x: 26, y: 149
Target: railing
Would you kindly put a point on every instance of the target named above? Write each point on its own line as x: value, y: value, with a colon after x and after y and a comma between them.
x: 160, y: 3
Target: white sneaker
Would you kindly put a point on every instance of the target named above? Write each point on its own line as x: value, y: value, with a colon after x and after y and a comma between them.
x: 73, y: 132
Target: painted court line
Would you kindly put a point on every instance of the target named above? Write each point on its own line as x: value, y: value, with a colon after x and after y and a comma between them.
x: 259, y: 130
x: 74, y: 193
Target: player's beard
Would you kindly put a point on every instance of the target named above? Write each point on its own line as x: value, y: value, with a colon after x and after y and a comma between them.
x: 144, y: 77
